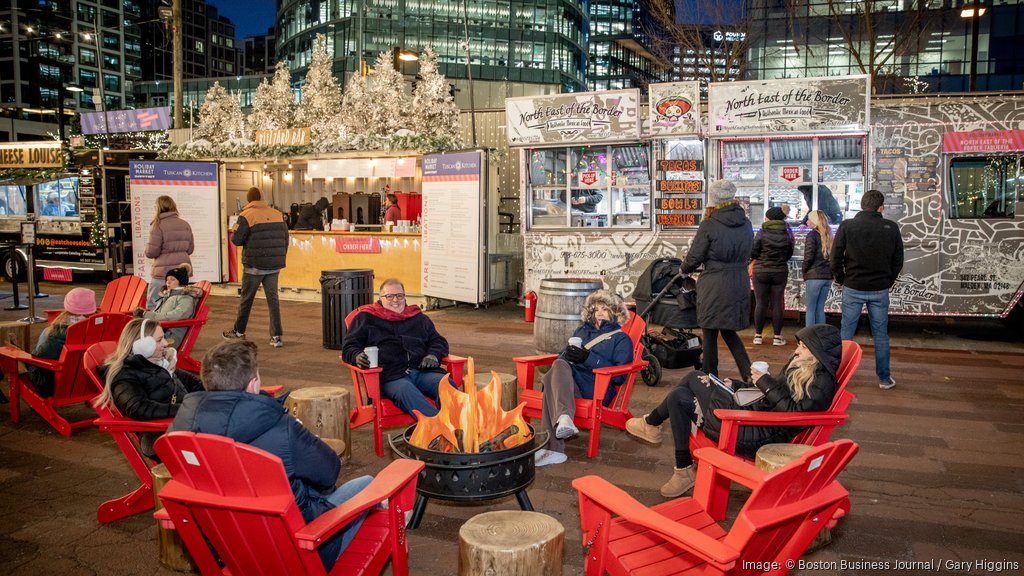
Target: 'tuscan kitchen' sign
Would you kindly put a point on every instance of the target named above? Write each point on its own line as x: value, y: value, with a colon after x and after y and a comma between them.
x: 30, y: 155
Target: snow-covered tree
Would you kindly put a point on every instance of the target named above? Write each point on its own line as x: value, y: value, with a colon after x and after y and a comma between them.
x: 434, y: 112
x: 356, y: 105
x: 273, y: 108
x: 389, y: 106
x: 220, y: 117
x: 321, y: 97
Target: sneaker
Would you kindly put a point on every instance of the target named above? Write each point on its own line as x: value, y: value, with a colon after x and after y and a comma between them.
x: 564, y: 428
x: 641, y: 429
x: 232, y: 335
x: 778, y: 341
x: 888, y: 385
x: 545, y: 457
x: 757, y: 339
x: 276, y: 342
x: 680, y: 482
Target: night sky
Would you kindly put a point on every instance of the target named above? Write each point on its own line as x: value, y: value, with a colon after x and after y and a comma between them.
x: 251, y: 17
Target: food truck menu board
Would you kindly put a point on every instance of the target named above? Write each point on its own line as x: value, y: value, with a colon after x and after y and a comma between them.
x: 452, y: 227
x: 194, y: 188
x: 681, y: 187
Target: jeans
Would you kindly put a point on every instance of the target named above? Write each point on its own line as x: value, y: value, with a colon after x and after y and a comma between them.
x: 343, y: 493
x: 408, y: 391
x: 814, y: 300
x: 732, y: 340
x: 683, y: 407
x: 155, y: 286
x: 769, y: 289
x: 877, y: 302
x: 251, y: 283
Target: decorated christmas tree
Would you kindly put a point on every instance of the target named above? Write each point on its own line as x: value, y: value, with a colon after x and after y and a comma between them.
x: 220, y: 117
x: 273, y: 107
x: 355, y: 106
x: 321, y: 98
x: 388, y: 106
x: 434, y: 111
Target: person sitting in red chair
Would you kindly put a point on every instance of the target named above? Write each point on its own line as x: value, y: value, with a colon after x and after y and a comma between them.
x: 806, y: 384
x: 409, y: 348
x: 232, y: 406
x: 78, y: 304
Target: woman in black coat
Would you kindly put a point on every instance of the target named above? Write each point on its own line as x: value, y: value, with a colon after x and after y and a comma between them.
x: 806, y: 384
x: 141, y: 378
x: 722, y: 244
x: 772, y: 249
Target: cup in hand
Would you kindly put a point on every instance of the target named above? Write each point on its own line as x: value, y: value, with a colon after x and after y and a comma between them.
x: 760, y: 366
x: 371, y: 354
x: 576, y: 341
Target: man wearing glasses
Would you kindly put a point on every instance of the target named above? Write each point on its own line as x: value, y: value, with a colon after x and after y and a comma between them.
x: 409, y: 348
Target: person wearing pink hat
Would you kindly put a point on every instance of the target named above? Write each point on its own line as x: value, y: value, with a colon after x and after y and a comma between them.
x: 78, y: 304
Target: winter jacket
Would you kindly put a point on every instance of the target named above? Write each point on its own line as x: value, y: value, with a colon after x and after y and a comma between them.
x: 867, y: 253
x: 722, y: 244
x: 403, y: 339
x: 260, y: 421
x: 311, y: 216
x: 49, y: 347
x: 143, y: 390
x: 393, y: 214
x: 772, y: 248
x: 176, y: 304
x: 170, y: 244
x: 815, y: 266
x: 591, y: 199
x: 263, y: 234
x: 614, y: 351
x: 825, y: 344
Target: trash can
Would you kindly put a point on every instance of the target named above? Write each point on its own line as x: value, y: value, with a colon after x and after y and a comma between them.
x: 342, y: 291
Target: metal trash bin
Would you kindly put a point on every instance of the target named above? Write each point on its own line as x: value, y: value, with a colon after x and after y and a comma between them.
x: 341, y: 292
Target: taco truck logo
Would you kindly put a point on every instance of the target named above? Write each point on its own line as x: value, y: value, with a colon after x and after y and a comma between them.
x: 674, y: 108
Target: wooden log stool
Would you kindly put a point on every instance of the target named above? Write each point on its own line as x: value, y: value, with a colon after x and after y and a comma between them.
x: 16, y: 334
x: 173, y: 554
x: 509, y: 388
x: 511, y: 543
x: 323, y: 410
x: 771, y: 457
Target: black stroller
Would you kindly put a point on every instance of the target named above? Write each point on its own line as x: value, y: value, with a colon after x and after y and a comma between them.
x: 666, y: 296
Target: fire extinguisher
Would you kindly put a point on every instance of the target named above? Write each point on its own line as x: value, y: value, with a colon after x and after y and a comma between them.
x: 531, y: 305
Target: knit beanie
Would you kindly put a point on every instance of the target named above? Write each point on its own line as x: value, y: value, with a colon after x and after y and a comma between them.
x: 721, y: 191
x: 180, y: 274
x: 775, y: 213
x: 80, y: 301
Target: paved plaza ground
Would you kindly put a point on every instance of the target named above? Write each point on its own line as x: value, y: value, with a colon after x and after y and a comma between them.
x: 940, y: 474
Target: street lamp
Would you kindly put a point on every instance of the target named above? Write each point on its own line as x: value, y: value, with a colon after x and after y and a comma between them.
x: 399, y: 55
x: 62, y: 89
x: 973, y: 11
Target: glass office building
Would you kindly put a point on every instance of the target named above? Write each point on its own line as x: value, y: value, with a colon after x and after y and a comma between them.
x: 621, y: 55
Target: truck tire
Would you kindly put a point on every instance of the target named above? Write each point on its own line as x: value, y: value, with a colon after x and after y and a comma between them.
x: 13, y: 270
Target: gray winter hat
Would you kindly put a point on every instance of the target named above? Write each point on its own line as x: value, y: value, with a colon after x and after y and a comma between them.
x: 721, y: 191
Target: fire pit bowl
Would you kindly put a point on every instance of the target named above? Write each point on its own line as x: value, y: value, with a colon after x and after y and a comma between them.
x: 470, y: 477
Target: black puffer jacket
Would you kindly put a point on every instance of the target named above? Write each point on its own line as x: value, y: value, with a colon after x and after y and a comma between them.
x: 722, y: 245
x: 867, y: 253
x: 311, y: 216
x: 402, y: 343
x: 260, y: 421
x: 144, y: 391
x: 263, y: 235
x: 824, y: 342
x: 772, y: 248
x: 815, y: 266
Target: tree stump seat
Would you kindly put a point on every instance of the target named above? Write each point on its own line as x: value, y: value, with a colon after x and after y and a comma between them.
x: 511, y: 543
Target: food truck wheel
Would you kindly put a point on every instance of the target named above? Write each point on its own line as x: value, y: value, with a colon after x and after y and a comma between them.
x: 13, y: 269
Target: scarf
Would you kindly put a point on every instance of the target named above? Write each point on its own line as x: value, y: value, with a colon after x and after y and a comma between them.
x: 378, y: 310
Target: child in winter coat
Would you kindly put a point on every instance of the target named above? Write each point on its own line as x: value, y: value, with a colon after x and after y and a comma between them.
x: 177, y: 301
x: 78, y: 303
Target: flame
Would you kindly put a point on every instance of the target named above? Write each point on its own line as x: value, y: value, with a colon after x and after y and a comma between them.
x: 471, y: 421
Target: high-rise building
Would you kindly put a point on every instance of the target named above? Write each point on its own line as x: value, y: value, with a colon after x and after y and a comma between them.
x: 621, y: 53
x: 208, y: 41
x: 259, y: 53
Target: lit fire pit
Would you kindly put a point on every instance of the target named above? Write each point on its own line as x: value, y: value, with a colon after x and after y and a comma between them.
x: 473, y: 450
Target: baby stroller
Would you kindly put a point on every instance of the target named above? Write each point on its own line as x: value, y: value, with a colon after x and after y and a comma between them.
x: 666, y: 296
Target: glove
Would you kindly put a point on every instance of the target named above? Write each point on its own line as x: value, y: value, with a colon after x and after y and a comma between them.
x: 362, y: 360
x: 576, y: 355
x: 429, y: 362
x: 138, y: 313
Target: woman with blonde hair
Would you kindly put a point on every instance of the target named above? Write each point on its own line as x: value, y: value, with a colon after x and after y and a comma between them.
x: 806, y: 384
x: 602, y: 343
x: 816, y: 268
x: 170, y: 243
x: 142, y: 380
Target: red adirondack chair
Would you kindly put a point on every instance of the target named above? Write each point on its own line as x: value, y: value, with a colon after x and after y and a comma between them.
x: 590, y: 414
x: 193, y: 325
x: 818, y: 426
x: 237, y: 499
x: 123, y: 294
x: 71, y: 385
x: 785, y: 511
x: 383, y: 413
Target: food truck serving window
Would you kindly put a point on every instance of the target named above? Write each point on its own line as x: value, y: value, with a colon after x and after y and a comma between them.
x: 590, y: 187
x: 12, y: 201
x: 985, y: 186
x: 57, y: 198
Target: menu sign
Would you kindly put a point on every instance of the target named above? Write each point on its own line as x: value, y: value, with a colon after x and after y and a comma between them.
x: 682, y: 204
x: 575, y: 117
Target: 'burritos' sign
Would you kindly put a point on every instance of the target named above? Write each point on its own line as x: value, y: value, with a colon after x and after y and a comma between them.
x: 574, y: 117
x: 790, y: 105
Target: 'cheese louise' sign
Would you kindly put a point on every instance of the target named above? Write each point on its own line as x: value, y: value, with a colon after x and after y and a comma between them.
x: 30, y: 155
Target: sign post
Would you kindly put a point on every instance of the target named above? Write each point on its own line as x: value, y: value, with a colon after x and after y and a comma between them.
x: 28, y: 238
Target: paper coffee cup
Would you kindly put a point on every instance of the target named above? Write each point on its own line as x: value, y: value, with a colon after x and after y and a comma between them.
x: 575, y: 341
x: 760, y: 366
x: 371, y: 354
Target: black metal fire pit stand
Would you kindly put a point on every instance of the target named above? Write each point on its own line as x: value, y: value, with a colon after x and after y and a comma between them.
x: 423, y: 494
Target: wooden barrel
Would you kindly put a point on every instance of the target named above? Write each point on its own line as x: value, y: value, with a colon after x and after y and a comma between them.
x: 511, y: 543
x: 559, y: 303
x: 173, y: 554
x: 323, y: 410
x: 770, y: 458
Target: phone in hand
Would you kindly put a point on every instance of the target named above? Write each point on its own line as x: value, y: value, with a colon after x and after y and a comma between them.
x: 719, y: 381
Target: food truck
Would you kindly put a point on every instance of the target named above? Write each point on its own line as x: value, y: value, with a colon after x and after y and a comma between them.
x: 949, y: 165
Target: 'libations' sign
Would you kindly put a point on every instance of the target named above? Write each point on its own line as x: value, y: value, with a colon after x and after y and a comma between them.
x: 575, y: 117
x: 674, y: 109
x: 30, y: 155
x: 790, y: 105
x: 283, y: 137
x: 114, y: 121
